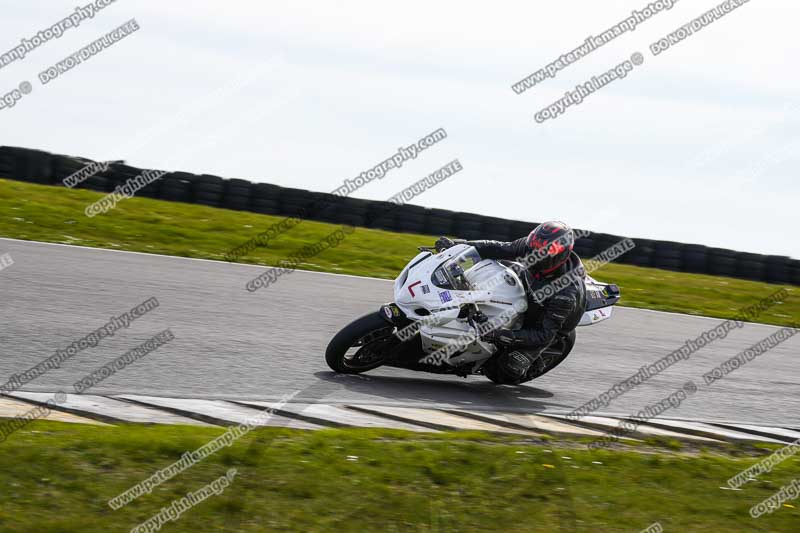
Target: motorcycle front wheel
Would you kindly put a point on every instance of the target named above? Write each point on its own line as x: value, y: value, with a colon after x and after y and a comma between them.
x: 364, y: 344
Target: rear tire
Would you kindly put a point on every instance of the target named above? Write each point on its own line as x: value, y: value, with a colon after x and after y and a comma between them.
x: 373, y: 338
x: 552, y: 356
x: 564, y: 345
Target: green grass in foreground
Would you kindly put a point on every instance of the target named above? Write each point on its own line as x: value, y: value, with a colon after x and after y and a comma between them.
x: 59, y: 477
x: 44, y: 213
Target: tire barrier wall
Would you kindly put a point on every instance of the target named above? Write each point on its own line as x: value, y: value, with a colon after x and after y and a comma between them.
x: 35, y: 166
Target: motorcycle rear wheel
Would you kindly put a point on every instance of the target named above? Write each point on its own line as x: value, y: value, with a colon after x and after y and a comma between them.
x: 551, y: 357
x: 558, y: 352
x: 362, y: 345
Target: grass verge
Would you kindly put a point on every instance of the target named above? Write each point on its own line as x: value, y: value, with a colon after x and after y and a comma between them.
x: 50, y: 214
x: 59, y: 477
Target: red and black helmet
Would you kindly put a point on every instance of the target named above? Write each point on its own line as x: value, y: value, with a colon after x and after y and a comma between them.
x: 552, y: 242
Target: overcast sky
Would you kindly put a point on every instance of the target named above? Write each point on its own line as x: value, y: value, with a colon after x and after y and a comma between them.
x: 699, y: 144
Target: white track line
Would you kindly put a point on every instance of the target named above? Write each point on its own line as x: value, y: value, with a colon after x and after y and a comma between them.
x: 262, y: 267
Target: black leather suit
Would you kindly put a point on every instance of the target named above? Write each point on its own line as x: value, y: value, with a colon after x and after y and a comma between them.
x: 546, y: 317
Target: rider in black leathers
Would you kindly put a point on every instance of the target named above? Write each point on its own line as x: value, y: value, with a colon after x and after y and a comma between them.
x: 552, y: 310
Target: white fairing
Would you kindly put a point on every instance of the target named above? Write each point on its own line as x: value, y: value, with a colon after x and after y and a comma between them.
x: 421, y: 293
x: 596, y: 315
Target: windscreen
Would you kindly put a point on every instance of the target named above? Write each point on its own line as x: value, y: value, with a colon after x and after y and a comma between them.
x: 450, y: 274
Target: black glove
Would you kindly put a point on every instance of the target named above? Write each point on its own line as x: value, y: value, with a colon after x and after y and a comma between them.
x: 443, y: 243
x: 500, y: 337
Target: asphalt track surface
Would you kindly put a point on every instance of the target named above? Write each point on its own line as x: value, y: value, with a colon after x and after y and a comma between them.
x: 233, y: 344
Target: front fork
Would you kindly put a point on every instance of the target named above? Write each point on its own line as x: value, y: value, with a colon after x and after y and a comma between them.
x: 408, y: 350
x: 394, y: 315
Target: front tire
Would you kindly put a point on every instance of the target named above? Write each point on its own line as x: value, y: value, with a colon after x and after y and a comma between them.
x: 364, y: 344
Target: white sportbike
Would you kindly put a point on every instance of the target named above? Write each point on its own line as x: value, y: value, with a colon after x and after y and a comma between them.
x: 443, y: 303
